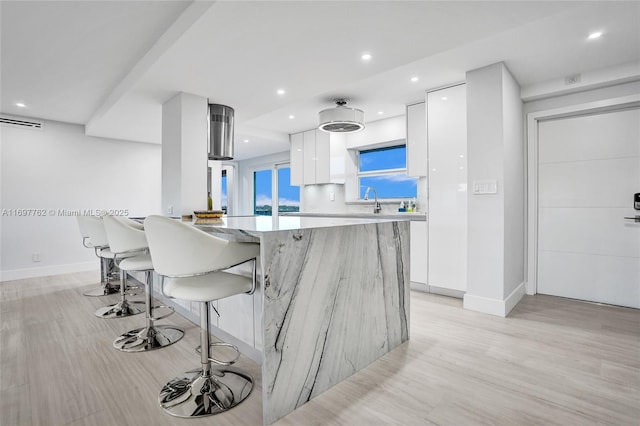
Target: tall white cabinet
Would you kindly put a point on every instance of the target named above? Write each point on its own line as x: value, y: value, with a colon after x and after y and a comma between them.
x: 447, y: 181
x: 417, y: 140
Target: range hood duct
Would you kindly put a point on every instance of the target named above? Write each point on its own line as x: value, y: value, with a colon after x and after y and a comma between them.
x: 220, y: 132
x: 341, y: 119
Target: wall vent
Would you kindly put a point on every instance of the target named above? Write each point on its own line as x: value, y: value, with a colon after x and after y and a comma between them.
x: 21, y: 123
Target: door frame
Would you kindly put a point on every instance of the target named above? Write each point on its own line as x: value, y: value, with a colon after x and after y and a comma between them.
x: 533, y: 119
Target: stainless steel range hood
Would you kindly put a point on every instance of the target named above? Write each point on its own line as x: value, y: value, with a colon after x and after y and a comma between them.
x: 220, y: 132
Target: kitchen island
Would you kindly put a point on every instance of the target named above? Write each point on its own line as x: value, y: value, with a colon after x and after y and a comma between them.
x: 334, y: 296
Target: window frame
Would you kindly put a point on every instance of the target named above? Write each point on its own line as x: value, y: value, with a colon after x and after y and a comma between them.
x: 380, y: 172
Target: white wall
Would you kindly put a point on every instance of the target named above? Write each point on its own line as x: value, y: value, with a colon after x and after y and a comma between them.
x: 611, y: 92
x: 496, y: 221
x: 514, y: 185
x: 60, y: 167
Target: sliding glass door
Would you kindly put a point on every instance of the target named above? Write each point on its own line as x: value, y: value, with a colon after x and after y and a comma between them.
x: 262, y: 192
x: 272, y: 191
x: 288, y: 196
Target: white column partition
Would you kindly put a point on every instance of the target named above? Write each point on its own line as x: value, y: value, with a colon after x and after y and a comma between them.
x: 495, y: 275
x: 184, y: 154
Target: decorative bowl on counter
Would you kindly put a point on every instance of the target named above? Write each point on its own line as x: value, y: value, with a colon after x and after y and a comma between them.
x: 208, y: 214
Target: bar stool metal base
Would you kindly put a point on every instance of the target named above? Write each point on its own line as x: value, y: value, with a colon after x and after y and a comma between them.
x: 103, y: 290
x: 120, y: 310
x: 194, y: 395
x: 148, y: 338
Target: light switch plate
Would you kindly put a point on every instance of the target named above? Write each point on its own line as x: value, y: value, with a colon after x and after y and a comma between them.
x: 487, y: 186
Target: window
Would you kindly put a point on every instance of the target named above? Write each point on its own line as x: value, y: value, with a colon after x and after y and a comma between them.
x: 224, y: 192
x: 385, y: 169
x: 287, y: 198
x: 262, y: 198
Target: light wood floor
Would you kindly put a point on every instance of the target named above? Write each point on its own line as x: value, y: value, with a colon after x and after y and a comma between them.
x: 552, y: 362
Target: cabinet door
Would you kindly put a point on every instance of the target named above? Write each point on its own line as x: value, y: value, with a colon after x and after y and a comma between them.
x: 297, y: 159
x: 309, y: 151
x: 417, y: 140
x: 447, y: 133
x: 418, y: 256
x: 338, y: 153
x: 323, y: 157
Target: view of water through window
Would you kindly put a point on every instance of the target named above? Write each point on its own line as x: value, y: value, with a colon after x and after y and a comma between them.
x: 288, y: 196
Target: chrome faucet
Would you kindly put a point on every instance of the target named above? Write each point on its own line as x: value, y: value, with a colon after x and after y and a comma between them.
x: 376, y: 204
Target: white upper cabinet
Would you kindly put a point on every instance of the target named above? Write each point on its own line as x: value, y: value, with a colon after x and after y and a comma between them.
x: 317, y: 157
x: 417, y: 140
x: 323, y: 157
x: 296, y: 159
x: 309, y: 160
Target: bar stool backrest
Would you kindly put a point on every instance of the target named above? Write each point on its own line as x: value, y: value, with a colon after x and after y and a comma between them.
x: 179, y: 249
x: 122, y: 236
x: 94, y: 228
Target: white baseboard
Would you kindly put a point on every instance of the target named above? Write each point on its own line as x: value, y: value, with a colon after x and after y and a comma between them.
x: 496, y: 307
x: 441, y: 291
x: 44, y: 271
x: 516, y: 295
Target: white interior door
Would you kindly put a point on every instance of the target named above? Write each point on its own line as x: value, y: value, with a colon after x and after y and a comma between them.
x: 588, y: 171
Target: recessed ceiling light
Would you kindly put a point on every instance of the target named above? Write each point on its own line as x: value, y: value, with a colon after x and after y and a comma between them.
x: 20, y: 105
x: 291, y: 117
x: 595, y: 35
x: 366, y: 56
x: 246, y: 140
x: 280, y: 91
x: 461, y: 156
x: 461, y: 168
x: 380, y: 112
x: 433, y: 170
x: 414, y: 79
x: 444, y: 98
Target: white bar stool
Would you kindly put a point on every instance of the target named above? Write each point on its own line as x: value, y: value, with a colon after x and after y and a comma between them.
x: 191, y: 262
x: 124, y: 239
x: 87, y: 225
x: 124, y: 308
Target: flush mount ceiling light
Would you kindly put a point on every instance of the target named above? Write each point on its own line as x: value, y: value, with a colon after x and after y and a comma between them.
x: 280, y: 92
x: 20, y: 105
x: 366, y: 56
x: 341, y: 119
x: 414, y: 79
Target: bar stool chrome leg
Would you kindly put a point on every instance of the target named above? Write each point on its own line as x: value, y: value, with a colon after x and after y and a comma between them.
x: 205, y: 391
x: 151, y: 336
x: 124, y: 308
x: 106, y: 287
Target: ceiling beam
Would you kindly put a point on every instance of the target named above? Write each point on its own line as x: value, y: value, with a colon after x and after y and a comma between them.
x: 185, y: 21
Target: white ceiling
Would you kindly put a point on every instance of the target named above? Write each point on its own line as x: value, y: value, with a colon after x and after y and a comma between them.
x: 111, y: 65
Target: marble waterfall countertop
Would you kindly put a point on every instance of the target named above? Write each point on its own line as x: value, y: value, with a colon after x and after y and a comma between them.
x: 333, y: 296
x: 255, y: 226
x: 418, y: 216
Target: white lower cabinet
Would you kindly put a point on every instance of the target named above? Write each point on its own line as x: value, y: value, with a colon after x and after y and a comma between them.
x: 419, y: 245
